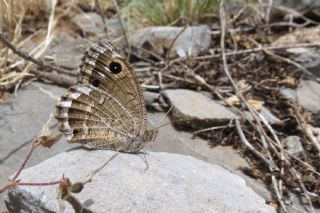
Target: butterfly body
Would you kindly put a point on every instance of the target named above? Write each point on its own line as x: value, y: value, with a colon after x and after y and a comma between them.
x: 105, y: 109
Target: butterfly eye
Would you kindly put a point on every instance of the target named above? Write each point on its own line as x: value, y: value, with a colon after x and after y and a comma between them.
x: 115, y: 67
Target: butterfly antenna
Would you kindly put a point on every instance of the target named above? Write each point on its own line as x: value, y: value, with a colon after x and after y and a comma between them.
x: 161, y: 126
x: 162, y: 119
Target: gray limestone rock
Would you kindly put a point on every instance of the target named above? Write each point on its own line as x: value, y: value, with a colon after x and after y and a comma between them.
x: 89, y: 23
x: 266, y: 113
x: 66, y: 50
x: 173, y: 141
x: 172, y: 183
x: 196, y: 110
x: 289, y: 93
x: 190, y: 42
x: 307, y: 95
x: 293, y: 145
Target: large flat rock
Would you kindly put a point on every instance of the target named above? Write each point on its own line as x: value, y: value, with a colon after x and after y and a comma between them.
x: 195, y: 110
x: 173, y: 183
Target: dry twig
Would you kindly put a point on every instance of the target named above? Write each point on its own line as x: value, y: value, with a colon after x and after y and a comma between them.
x: 27, y: 57
x: 276, y: 186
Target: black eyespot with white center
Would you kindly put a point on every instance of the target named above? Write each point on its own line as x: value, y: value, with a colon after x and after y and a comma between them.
x: 115, y: 67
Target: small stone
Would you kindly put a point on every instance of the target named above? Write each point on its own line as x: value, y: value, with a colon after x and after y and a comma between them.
x: 288, y: 93
x: 196, y: 110
x: 172, y: 183
x: 308, y: 95
x: 150, y: 98
x: 293, y: 145
x: 271, y: 118
x: 89, y: 23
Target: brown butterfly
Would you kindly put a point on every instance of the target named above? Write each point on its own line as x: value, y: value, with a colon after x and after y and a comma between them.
x: 105, y: 109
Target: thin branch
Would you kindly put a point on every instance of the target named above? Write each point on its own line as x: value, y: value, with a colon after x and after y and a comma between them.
x: 121, y: 23
x: 27, y: 57
x: 102, y: 17
x: 172, y: 43
x: 250, y: 147
x: 258, y: 49
x: 277, y: 187
x: 289, y: 61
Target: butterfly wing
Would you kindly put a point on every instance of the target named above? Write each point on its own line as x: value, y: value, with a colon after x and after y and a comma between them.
x: 105, y: 68
x: 105, y: 109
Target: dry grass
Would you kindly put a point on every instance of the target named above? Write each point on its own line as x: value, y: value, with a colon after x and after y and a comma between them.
x: 15, y: 15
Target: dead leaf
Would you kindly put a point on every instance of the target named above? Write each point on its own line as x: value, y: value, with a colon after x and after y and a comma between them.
x: 233, y: 100
x: 289, y: 81
x: 257, y: 105
x: 243, y: 85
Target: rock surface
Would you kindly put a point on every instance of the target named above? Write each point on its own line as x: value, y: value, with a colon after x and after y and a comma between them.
x: 307, y: 95
x: 196, y: 110
x: 190, y: 42
x: 66, y: 50
x: 89, y: 23
x: 173, y: 183
x: 266, y: 113
x: 293, y: 145
x: 173, y: 141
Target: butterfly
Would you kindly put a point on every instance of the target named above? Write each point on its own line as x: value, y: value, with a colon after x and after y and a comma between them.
x: 105, y: 109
